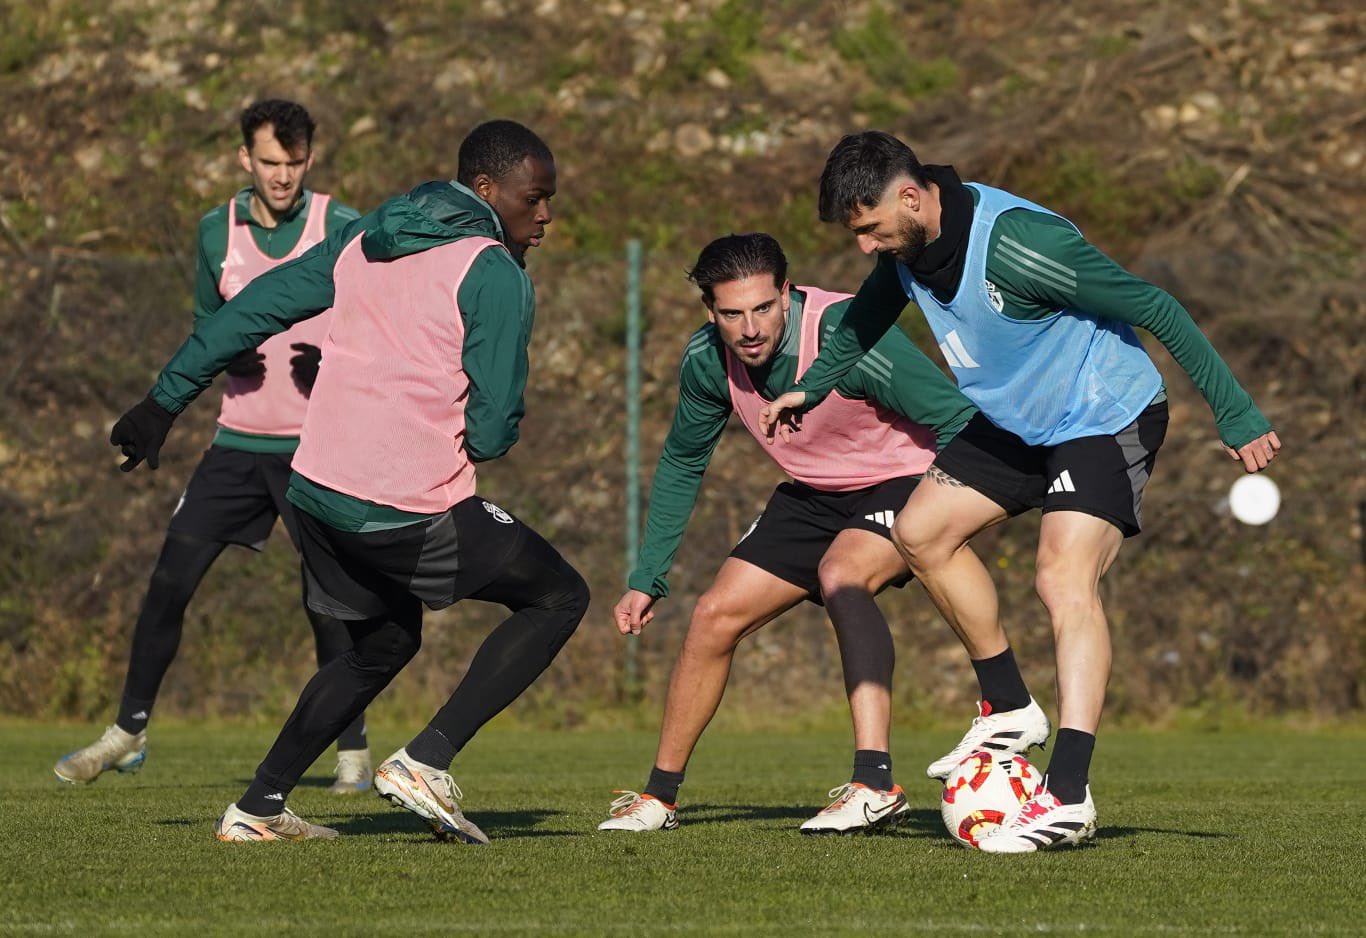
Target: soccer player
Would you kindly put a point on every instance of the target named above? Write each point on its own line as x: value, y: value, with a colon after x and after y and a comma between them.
x: 238, y: 489
x: 422, y: 378
x: 824, y: 537
x: 1037, y: 325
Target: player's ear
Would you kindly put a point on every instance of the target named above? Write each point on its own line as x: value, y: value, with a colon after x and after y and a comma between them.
x: 244, y: 157
x: 908, y: 194
x: 308, y: 163
x: 485, y: 186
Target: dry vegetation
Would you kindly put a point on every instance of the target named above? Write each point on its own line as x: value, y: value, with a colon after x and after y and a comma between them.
x: 1217, y: 148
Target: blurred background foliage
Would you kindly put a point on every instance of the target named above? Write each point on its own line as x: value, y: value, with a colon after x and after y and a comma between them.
x: 1216, y: 148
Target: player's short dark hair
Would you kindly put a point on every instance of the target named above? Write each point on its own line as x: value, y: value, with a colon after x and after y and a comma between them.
x: 735, y: 257
x: 497, y: 147
x: 290, y: 122
x: 859, y: 170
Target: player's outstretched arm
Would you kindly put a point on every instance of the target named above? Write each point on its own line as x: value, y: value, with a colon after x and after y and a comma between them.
x: 1258, y: 454
x: 634, y: 611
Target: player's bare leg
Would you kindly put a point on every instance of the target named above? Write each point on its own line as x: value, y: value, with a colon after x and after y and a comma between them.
x: 1075, y: 551
x: 932, y: 533
x: 742, y: 600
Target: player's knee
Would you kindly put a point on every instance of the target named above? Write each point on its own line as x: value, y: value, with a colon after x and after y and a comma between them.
x: 715, y: 622
x: 923, y: 546
x: 569, y: 594
x: 385, y: 651
x: 839, y: 574
x: 1061, y: 587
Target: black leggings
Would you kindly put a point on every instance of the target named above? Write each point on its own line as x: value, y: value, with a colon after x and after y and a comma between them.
x: 156, y: 638
x: 547, y: 597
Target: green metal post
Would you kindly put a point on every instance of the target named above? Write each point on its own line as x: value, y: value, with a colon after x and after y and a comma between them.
x: 630, y: 670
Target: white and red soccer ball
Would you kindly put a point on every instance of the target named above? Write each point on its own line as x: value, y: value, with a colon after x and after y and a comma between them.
x: 983, y: 791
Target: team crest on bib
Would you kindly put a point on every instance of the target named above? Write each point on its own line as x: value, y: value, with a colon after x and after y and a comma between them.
x: 994, y: 295
x: 499, y: 514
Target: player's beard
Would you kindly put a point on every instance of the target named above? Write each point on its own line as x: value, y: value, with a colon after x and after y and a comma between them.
x: 912, y: 238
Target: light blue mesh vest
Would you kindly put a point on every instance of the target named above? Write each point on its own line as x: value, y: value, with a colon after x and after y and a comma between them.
x: 1049, y: 380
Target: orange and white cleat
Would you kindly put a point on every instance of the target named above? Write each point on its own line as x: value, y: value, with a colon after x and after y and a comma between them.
x: 639, y: 813
x: 236, y: 826
x: 429, y: 793
x: 858, y: 809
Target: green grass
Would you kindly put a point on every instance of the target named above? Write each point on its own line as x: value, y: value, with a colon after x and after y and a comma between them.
x: 1244, y: 833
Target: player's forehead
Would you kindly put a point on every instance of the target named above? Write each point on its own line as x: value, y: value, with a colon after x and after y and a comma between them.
x: 266, y: 147
x: 747, y: 293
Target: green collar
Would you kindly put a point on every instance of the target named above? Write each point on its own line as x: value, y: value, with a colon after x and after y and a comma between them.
x: 244, y: 216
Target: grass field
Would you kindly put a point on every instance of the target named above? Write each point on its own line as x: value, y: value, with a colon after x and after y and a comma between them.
x: 1238, y: 833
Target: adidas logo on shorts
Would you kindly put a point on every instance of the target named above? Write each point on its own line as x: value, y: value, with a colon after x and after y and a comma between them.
x: 1063, y: 483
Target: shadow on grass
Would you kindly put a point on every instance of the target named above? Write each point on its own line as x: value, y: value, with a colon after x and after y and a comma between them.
x: 499, y: 825
x: 917, y: 823
x: 1117, y: 833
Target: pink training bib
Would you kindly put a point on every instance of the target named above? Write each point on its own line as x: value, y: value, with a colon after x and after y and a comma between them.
x: 843, y: 444
x: 387, y: 419
x: 273, y: 404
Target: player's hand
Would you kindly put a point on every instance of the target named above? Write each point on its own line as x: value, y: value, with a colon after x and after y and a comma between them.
x: 139, y: 433
x: 782, y: 415
x: 304, y: 366
x: 248, y: 364
x: 634, y: 611
x: 1258, y: 454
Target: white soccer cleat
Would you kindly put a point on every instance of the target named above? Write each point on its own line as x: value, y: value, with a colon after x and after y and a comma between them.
x: 353, y: 771
x: 858, y: 809
x: 236, y: 826
x: 429, y: 793
x: 637, y: 813
x: 1010, y: 733
x: 1042, y: 823
x: 116, y: 749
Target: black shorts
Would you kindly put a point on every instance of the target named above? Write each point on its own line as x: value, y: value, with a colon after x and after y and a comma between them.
x: 234, y: 497
x: 439, y: 561
x: 1102, y: 476
x: 799, y: 523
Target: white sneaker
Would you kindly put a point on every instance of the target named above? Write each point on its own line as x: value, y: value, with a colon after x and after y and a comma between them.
x: 1009, y: 733
x: 429, y: 793
x: 1042, y: 823
x: 633, y: 812
x: 858, y: 809
x: 116, y: 749
x: 238, y: 826
x: 353, y: 771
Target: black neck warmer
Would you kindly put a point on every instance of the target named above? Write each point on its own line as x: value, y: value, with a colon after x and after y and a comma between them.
x: 940, y: 266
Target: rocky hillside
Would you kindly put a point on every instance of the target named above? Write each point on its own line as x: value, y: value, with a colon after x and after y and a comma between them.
x: 1216, y: 148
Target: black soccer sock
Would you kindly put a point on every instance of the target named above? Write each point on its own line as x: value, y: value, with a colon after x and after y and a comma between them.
x: 1003, y: 687
x: 873, y: 769
x: 548, y: 599
x: 430, y: 747
x: 133, y: 714
x: 664, y: 785
x: 1069, y: 769
x: 262, y: 800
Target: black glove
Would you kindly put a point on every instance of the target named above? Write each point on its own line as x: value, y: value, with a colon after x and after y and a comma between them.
x: 248, y: 364
x: 304, y: 366
x: 140, y: 433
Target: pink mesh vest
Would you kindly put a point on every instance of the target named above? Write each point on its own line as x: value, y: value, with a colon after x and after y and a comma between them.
x: 387, y: 419
x: 843, y: 444
x: 272, y: 404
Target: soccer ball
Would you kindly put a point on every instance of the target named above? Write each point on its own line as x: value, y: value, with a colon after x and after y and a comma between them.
x: 983, y: 791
